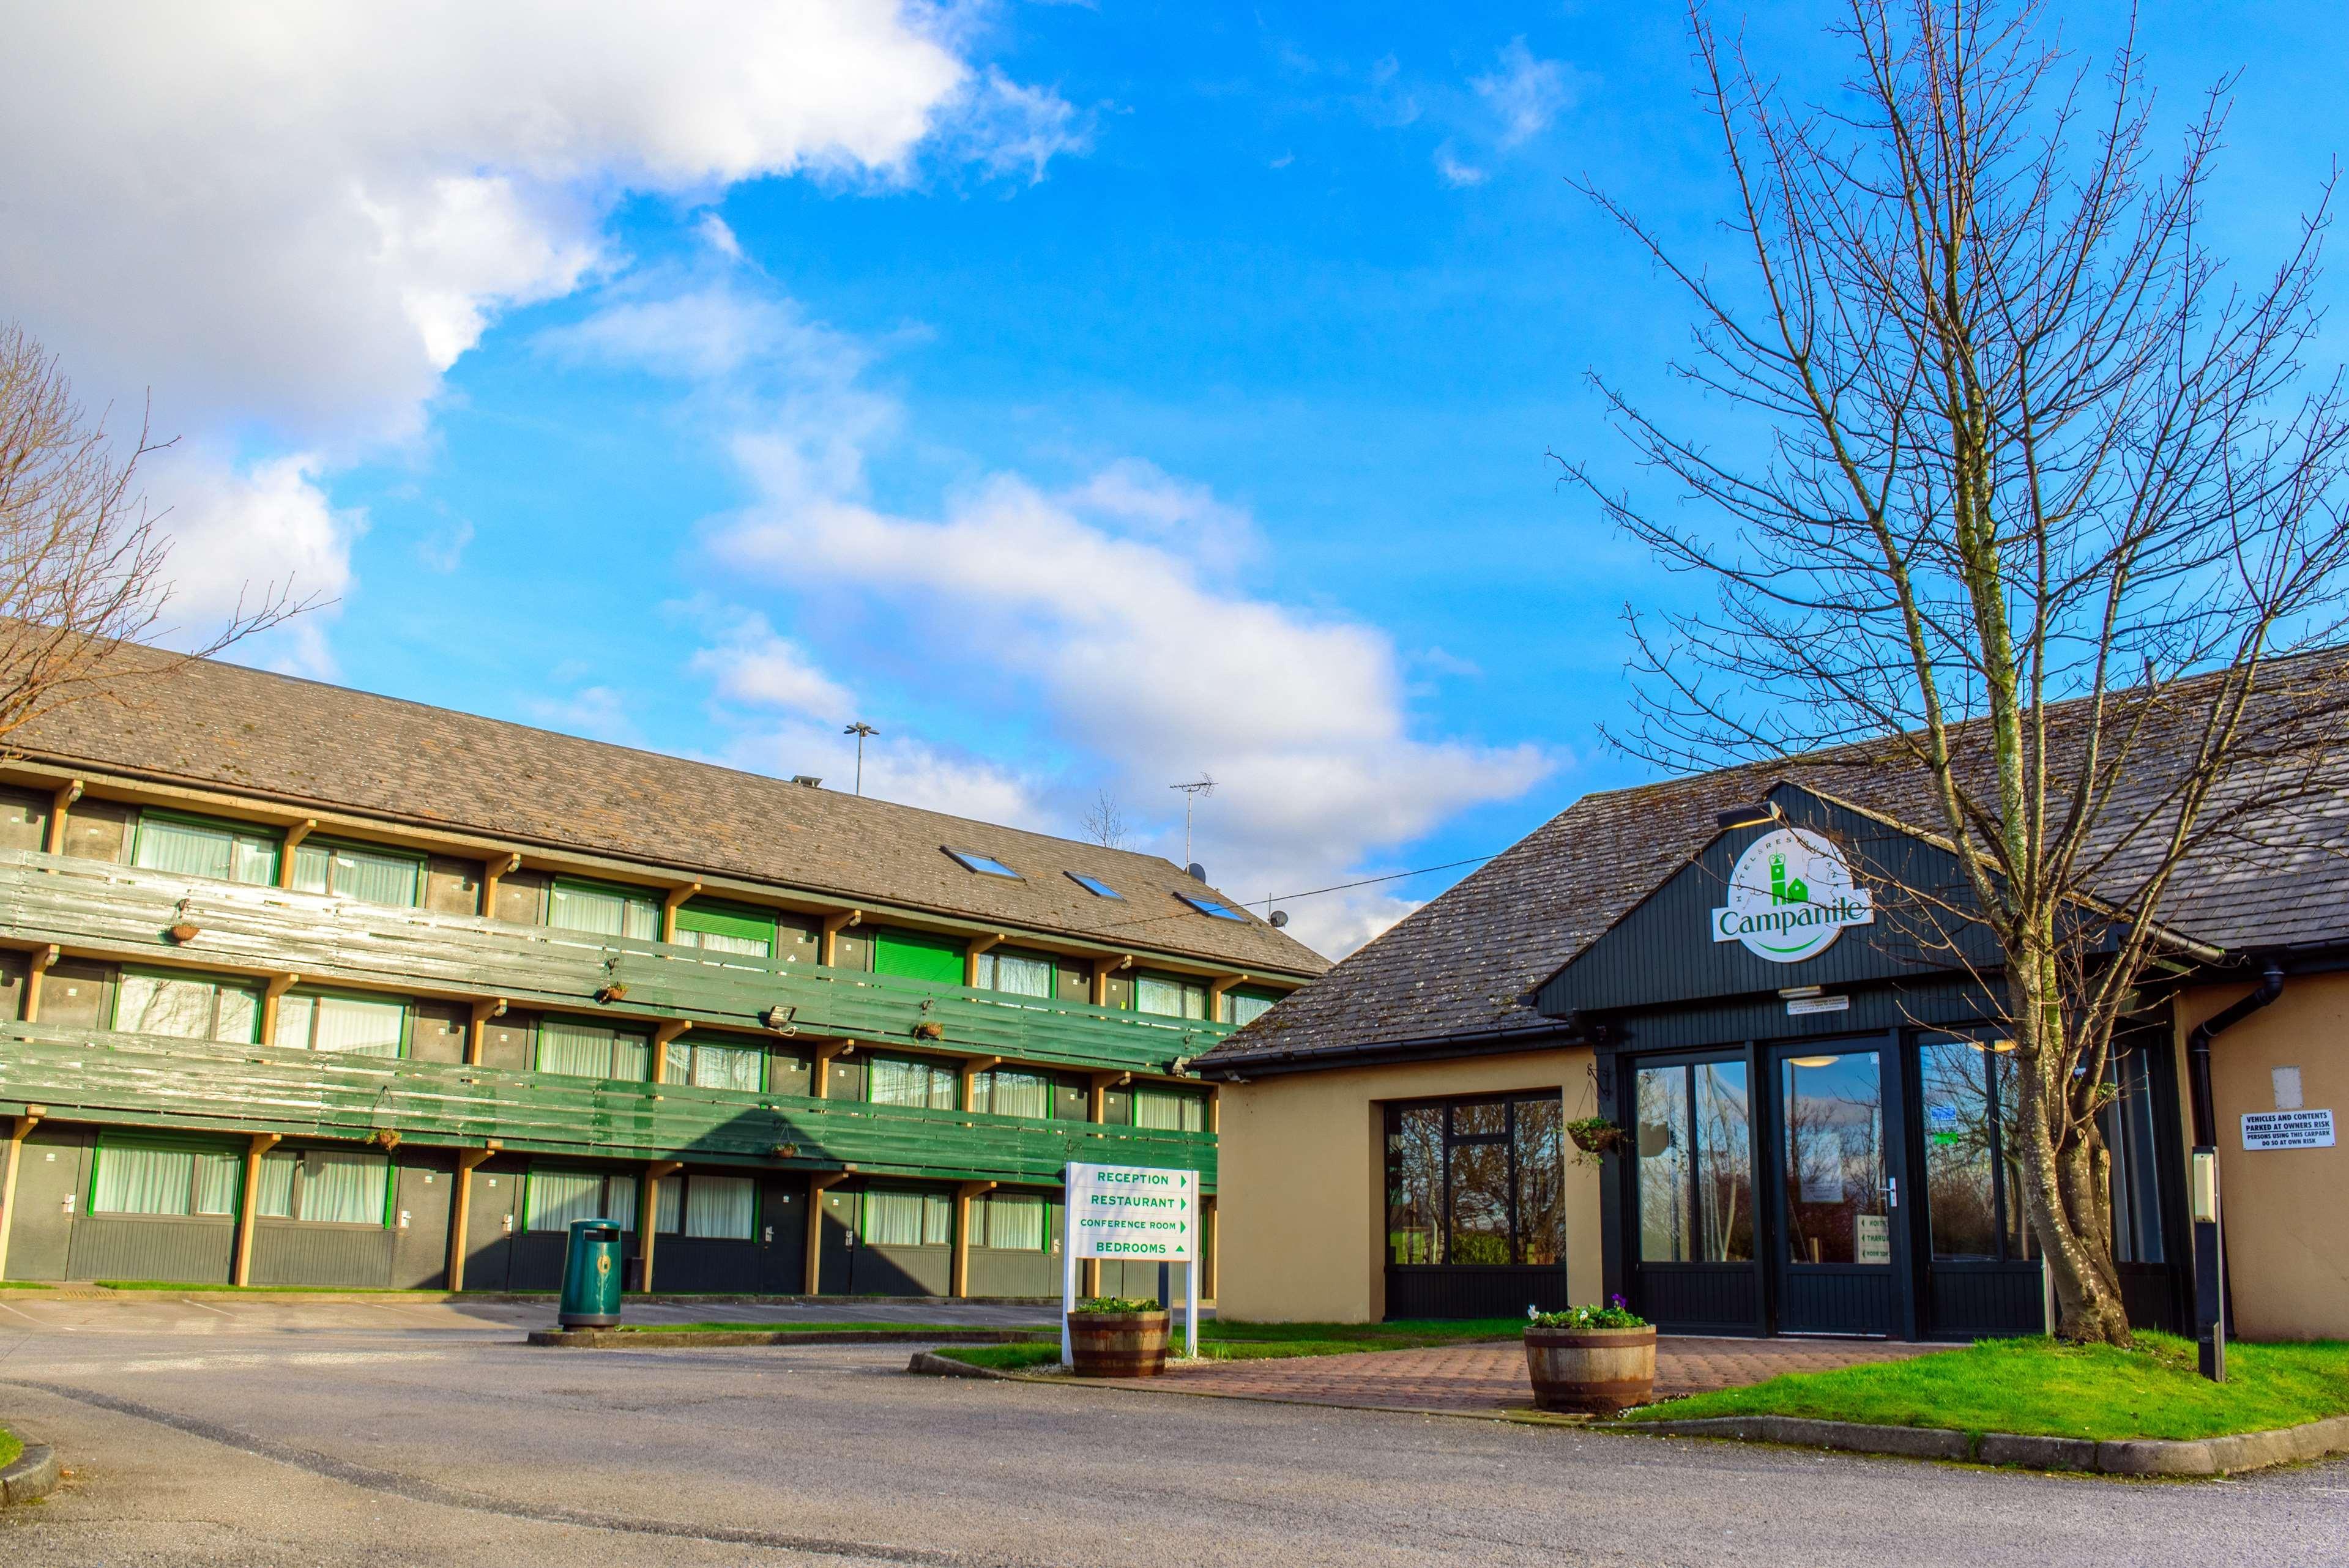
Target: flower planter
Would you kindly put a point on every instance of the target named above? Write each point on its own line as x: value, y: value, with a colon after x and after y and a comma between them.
x: 1596, y: 1370
x: 1118, y: 1344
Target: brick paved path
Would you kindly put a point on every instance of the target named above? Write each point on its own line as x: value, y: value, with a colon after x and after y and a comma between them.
x: 1492, y: 1377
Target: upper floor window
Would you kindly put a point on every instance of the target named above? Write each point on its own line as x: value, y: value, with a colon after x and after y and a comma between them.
x: 187, y: 1006
x: 1021, y: 973
x: 1008, y: 1091
x: 1168, y: 997
x: 364, y: 1026
x: 985, y: 865
x: 911, y: 1080
x: 196, y: 847
x: 726, y: 928
x: 604, y: 909
x: 1169, y: 1110
x: 1243, y: 1007
x: 371, y: 875
x: 707, y: 1064
x: 582, y: 1049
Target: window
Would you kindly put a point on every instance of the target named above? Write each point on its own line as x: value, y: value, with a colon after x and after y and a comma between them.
x: 187, y: 1007
x: 1960, y: 1148
x: 985, y: 865
x: 1169, y: 998
x: 1096, y: 887
x: 898, y: 1218
x: 1214, y: 906
x: 1169, y: 1110
x: 1012, y: 1221
x: 593, y: 1051
x: 1694, y: 1163
x: 910, y: 1080
x: 226, y: 852
x: 603, y: 910
x: 552, y: 1199
x: 370, y: 876
x: 708, y: 1065
x: 138, y: 1176
x: 1243, y: 1007
x: 710, y: 1208
x: 1006, y: 1091
x: 326, y: 1187
x: 1019, y: 973
x: 364, y: 1026
x: 1477, y: 1183
x: 726, y: 928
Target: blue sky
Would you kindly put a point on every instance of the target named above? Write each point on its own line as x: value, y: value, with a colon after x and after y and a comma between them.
x: 1086, y: 397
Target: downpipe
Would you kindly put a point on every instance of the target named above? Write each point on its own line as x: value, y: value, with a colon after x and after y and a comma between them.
x: 2209, y: 1243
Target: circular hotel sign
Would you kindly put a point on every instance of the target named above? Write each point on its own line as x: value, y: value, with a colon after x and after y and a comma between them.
x: 1790, y: 896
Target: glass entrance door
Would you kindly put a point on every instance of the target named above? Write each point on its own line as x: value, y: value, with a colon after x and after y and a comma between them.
x: 1840, y: 1181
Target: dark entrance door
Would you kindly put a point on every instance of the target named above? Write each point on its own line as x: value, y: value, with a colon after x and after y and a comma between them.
x: 1840, y: 1180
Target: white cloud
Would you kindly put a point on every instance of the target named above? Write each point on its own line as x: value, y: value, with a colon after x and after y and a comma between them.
x: 444, y: 549
x: 598, y: 712
x: 905, y: 770
x: 1456, y: 173
x: 1525, y: 93
x: 755, y: 668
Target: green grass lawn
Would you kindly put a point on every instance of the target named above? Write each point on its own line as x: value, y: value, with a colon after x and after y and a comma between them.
x: 1003, y: 1357
x: 2043, y: 1388
x: 10, y: 1447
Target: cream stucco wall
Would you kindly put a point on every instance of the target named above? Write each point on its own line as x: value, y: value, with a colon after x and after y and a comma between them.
x: 1301, y: 1173
x: 2287, y: 1210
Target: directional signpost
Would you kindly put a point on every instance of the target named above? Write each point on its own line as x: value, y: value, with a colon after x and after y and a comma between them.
x: 1132, y: 1212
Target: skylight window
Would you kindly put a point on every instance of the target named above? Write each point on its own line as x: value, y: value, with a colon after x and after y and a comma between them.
x: 984, y: 865
x: 1206, y: 905
x: 1096, y: 887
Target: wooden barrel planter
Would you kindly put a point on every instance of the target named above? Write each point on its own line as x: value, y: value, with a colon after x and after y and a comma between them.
x: 1118, y: 1344
x: 1596, y: 1370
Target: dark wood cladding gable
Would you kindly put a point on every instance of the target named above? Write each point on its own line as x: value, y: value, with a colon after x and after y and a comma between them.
x: 1661, y: 953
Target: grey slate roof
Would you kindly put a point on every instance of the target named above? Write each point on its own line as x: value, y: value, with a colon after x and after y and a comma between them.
x: 1461, y: 968
x: 310, y: 745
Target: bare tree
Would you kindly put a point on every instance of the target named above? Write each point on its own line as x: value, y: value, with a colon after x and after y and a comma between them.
x: 82, y: 583
x: 1103, y: 822
x: 2039, y: 513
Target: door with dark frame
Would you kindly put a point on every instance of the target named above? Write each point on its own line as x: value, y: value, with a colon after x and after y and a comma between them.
x: 1840, y: 1245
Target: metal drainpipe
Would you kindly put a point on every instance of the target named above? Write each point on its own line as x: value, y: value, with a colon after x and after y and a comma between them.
x: 2209, y: 1251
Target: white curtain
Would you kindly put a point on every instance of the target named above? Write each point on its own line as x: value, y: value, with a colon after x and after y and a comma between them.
x: 719, y: 942
x: 344, y: 1189
x: 591, y: 1050
x: 620, y: 1201
x: 1015, y: 1223
x: 277, y: 1196
x: 373, y: 877
x: 197, y: 850
x: 186, y: 1009
x: 897, y: 1080
x: 1168, y: 1110
x: 216, y: 1181
x: 136, y: 1180
x: 669, y: 1206
x: 361, y: 1025
x: 727, y: 1066
x: 892, y: 1219
x: 1018, y: 1094
x: 1242, y: 1009
x: 558, y: 1197
x: 720, y: 1207
x: 605, y: 913
x: 1023, y: 977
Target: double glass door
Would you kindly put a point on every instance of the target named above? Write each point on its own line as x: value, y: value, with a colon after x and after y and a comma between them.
x: 1838, y: 1180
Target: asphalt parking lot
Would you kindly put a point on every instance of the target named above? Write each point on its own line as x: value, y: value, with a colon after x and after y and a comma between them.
x: 246, y: 1431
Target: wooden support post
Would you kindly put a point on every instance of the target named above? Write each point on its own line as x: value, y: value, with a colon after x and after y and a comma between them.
x: 669, y: 903
x: 270, y: 996
x: 1215, y: 1113
x: 648, y: 1218
x: 460, y: 1215
x: 293, y: 836
x: 818, y: 1184
x: 1102, y: 969
x: 39, y: 967
x: 59, y: 804
x: 249, y: 1204
x: 828, y: 949
x: 662, y: 1035
x: 483, y: 1013
x: 819, y: 1077
x: 979, y: 946
x: 493, y: 870
x: 1215, y: 989
x: 958, y: 1271
x: 971, y: 1068
x: 19, y: 1129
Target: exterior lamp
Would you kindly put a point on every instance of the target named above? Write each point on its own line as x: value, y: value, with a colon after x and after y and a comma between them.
x: 2205, y: 1201
x: 1748, y: 816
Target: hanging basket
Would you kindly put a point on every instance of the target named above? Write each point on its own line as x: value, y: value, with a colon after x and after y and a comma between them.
x: 1595, y: 1135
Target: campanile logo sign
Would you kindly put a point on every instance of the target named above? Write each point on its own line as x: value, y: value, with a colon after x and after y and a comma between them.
x: 1791, y: 894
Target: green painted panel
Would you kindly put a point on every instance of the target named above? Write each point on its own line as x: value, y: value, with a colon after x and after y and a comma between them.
x: 734, y: 920
x: 918, y: 956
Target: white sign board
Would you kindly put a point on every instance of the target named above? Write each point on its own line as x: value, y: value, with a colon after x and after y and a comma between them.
x: 1136, y: 1214
x: 2288, y: 1129
x: 1871, y: 1239
x: 1790, y: 896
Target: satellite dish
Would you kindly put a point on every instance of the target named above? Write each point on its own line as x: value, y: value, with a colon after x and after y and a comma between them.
x: 1199, y: 872
x: 1280, y: 918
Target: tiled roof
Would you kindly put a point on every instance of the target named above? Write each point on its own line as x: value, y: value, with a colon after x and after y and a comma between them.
x: 312, y: 745
x: 1462, y: 968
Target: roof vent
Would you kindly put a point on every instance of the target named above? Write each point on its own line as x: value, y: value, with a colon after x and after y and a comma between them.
x: 1199, y: 872
x: 807, y: 780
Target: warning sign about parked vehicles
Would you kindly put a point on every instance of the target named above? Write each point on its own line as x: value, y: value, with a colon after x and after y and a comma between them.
x: 2288, y: 1129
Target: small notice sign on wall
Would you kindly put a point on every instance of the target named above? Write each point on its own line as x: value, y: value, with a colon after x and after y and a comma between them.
x: 2288, y: 1129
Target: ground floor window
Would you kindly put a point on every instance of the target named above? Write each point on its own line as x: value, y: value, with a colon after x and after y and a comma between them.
x: 138, y: 1176
x: 326, y: 1187
x: 1477, y: 1183
x: 710, y: 1207
x: 1012, y: 1221
x: 552, y: 1199
x: 901, y: 1217
x: 1694, y: 1149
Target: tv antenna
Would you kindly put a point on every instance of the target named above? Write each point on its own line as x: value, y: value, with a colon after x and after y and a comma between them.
x: 1203, y: 785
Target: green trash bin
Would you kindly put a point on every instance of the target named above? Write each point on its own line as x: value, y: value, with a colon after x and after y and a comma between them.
x: 590, y: 1275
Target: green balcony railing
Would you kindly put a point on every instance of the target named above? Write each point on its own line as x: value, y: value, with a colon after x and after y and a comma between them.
x: 128, y: 915
x: 201, y: 1085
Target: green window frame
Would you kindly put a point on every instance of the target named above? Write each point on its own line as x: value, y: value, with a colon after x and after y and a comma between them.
x: 602, y: 909
x: 326, y: 1187
x: 1013, y: 1091
x: 906, y: 1217
x: 726, y: 928
x: 207, y: 847
x: 1016, y: 973
x: 344, y: 1021
x: 187, y: 1006
x: 1169, y: 1110
x: 553, y: 1196
x: 715, y: 1063
x: 583, y: 1049
x: 1169, y: 996
x: 703, y: 1205
x: 1013, y: 1222
x: 911, y: 1080
x: 1243, y: 1005
x: 368, y: 873
x: 162, y: 1177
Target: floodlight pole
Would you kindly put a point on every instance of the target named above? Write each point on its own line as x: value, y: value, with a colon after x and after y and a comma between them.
x: 860, y: 730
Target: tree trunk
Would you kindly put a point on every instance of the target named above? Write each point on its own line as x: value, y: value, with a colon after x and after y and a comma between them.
x: 2058, y: 1188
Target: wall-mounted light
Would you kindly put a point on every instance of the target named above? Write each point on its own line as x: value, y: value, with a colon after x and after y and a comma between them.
x: 1750, y: 815
x: 2204, y: 1179
x: 1810, y: 1061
